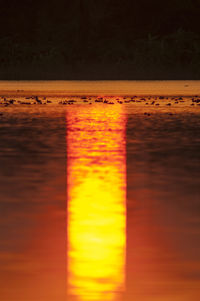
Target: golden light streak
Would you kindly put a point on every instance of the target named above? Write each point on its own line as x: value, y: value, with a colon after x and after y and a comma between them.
x: 96, y: 203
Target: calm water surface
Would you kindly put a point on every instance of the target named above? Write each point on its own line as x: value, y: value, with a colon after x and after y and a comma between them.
x: 59, y: 88
x: 99, y: 202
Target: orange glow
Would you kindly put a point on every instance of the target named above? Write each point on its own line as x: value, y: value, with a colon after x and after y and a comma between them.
x: 96, y: 203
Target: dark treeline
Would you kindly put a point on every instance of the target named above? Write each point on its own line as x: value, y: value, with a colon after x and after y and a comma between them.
x: 149, y: 37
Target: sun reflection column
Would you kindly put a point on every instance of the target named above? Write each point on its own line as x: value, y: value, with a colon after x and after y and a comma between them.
x: 96, y: 189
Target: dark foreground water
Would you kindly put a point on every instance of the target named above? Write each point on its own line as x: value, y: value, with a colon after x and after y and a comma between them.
x: 100, y: 201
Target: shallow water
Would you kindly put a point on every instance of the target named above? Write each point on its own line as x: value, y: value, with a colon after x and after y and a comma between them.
x: 100, y: 88
x: 99, y: 202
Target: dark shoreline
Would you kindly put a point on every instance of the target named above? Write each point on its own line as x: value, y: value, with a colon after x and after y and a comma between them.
x: 96, y: 72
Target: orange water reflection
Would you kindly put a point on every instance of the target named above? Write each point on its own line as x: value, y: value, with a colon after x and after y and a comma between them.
x: 96, y: 173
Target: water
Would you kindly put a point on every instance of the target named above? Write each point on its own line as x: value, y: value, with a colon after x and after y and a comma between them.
x: 100, y: 88
x: 99, y: 202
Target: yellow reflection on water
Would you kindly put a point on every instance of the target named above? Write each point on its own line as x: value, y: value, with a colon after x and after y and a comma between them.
x: 96, y: 203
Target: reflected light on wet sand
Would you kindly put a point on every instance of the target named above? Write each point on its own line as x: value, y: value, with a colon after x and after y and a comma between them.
x: 96, y: 188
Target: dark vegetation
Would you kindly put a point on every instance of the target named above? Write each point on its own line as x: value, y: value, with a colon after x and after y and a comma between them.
x: 100, y: 39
